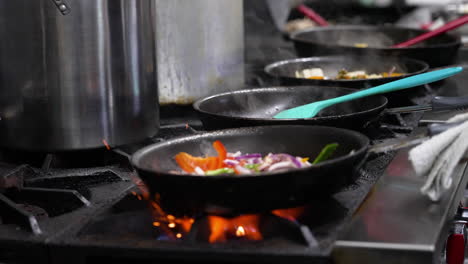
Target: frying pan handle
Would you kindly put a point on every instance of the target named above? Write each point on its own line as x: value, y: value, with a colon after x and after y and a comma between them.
x: 438, y: 103
x: 435, y: 129
x: 441, y: 103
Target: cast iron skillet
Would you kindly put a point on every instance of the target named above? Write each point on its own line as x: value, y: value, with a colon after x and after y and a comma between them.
x: 438, y: 51
x: 285, y: 71
x: 258, y: 106
x: 227, y: 194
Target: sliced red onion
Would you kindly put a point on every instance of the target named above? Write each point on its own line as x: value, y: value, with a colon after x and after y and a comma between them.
x: 233, y: 155
x: 282, y: 165
x: 243, y: 170
x: 253, y: 160
x: 248, y: 156
x: 231, y: 162
x: 257, y: 160
x: 266, y: 163
x: 294, y: 160
x: 285, y: 157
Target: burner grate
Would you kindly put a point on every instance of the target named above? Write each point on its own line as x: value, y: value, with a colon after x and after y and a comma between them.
x: 11, y: 213
x: 29, y: 195
x: 53, y: 201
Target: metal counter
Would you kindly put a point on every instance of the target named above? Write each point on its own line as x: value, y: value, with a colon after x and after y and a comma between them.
x: 396, y: 224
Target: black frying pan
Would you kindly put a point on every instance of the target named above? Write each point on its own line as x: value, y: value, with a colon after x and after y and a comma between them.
x: 285, y: 71
x: 438, y: 51
x: 227, y: 194
x: 257, y: 107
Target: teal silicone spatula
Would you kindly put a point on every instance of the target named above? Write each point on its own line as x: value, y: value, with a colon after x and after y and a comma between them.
x: 312, y: 109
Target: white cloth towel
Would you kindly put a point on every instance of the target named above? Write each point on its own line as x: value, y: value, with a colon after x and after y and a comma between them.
x: 437, y: 158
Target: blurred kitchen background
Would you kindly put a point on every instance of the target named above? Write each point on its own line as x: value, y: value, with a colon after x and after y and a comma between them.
x: 268, y: 23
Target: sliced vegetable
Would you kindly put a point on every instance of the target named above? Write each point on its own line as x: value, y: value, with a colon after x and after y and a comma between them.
x: 253, y: 167
x: 220, y: 171
x: 222, y: 153
x: 326, y: 153
x: 317, y: 74
x: 188, y: 162
x: 238, y: 163
x: 249, y: 156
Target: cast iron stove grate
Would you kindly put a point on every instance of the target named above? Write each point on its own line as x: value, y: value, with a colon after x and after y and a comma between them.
x: 41, y: 200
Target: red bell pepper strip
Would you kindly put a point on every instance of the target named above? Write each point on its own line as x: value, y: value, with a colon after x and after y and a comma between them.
x: 188, y: 162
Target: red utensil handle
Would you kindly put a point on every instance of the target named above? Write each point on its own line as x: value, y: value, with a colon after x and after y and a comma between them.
x: 308, y: 12
x: 447, y: 27
x: 455, y: 253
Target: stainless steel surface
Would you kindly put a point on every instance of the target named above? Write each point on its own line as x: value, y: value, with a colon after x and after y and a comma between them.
x: 415, y: 139
x: 200, y: 48
x: 71, y: 81
x: 63, y: 7
x: 399, y: 144
x: 396, y: 224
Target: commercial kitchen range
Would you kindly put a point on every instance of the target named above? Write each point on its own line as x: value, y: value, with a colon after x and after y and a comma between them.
x: 89, y: 206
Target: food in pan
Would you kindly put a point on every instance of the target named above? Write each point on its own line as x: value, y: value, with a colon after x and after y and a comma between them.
x: 313, y: 73
x: 317, y: 74
x: 238, y: 163
x: 346, y: 75
x: 299, y: 24
x: 361, y: 45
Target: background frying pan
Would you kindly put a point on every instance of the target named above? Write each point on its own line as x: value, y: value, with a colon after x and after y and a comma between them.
x: 438, y: 51
x: 258, y: 106
x: 227, y: 194
x: 285, y: 71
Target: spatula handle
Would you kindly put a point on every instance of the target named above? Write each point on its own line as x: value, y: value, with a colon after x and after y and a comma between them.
x: 447, y: 27
x: 405, y: 83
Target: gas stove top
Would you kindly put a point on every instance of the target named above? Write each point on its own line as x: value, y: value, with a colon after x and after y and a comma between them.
x: 91, y: 206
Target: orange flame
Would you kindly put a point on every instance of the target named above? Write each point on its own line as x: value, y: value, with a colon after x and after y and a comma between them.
x: 240, y: 232
x: 106, y: 144
x: 291, y: 214
x: 169, y: 223
x: 165, y: 222
x: 245, y: 226
x: 221, y: 229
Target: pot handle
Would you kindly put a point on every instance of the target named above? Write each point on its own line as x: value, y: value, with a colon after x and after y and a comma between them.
x: 63, y: 7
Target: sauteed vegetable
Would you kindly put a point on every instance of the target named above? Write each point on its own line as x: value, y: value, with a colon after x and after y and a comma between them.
x: 346, y: 75
x: 240, y: 163
x: 317, y: 74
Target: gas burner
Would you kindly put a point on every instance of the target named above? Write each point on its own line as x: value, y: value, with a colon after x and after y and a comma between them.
x: 300, y: 226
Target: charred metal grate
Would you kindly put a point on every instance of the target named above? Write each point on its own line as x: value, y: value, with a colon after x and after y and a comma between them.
x: 29, y: 195
x: 12, y: 214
